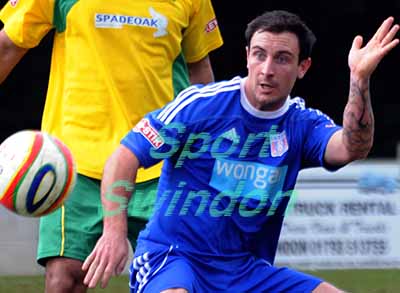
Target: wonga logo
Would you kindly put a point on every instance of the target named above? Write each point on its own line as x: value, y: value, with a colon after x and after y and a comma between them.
x: 266, y: 179
x: 144, y: 127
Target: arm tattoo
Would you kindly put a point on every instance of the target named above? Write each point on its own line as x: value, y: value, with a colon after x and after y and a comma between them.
x: 358, y: 120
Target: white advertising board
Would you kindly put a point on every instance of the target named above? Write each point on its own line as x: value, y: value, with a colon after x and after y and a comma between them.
x: 345, y: 219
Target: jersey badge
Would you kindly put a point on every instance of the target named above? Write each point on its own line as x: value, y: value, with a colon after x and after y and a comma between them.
x: 279, y: 144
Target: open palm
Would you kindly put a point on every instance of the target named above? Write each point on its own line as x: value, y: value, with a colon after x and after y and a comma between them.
x: 364, y: 60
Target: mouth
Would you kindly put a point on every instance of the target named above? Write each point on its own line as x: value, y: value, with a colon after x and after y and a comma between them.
x: 267, y: 86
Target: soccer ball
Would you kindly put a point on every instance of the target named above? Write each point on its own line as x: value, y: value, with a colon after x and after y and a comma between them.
x: 37, y: 173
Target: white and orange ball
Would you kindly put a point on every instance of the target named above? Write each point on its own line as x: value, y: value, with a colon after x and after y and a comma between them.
x: 37, y: 173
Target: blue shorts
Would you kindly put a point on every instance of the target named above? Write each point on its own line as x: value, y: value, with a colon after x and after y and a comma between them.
x: 160, y: 270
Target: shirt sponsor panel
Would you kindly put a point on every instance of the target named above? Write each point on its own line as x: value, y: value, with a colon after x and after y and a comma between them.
x: 257, y: 179
x: 156, y: 21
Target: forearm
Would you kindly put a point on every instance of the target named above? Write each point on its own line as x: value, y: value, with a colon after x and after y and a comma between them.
x: 111, y: 251
x: 5, y: 69
x: 201, y: 71
x: 358, y: 120
x: 115, y: 200
x: 117, y: 187
x: 10, y: 55
x: 7, y: 64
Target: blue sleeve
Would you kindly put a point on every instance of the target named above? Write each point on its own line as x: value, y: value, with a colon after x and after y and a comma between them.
x: 152, y: 141
x: 319, y: 128
x: 160, y: 134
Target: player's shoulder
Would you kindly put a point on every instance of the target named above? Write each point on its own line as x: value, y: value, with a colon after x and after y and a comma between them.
x: 298, y: 106
x: 200, y: 101
x: 297, y: 103
x: 300, y: 111
x: 218, y: 89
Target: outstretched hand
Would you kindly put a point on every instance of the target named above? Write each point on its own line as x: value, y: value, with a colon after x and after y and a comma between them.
x: 364, y: 60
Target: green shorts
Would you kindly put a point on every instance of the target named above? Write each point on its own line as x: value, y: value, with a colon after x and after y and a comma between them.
x: 73, y: 229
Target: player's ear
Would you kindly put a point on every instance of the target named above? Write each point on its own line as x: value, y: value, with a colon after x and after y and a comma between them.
x: 303, y: 67
x: 247, y: 56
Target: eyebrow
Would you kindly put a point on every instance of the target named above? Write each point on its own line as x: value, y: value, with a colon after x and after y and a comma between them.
x: 255, y: 47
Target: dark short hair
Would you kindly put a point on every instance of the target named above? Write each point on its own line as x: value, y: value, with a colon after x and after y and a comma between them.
x: 279, y: 21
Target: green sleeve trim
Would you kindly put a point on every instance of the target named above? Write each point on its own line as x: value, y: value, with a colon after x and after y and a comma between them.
x: 61, y: 9
x: 180, y: 74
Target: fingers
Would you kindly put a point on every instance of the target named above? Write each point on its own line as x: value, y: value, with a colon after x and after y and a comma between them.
x: 383, y: 41
x: 102, y: 269
x: 121, y: 265
x: 92, y: 273
x: 89, y: 260
x: 386, y: 34
x: 383, y: 29
x: 390, y: 46
x: 97, y: 273
x: 390, y: 35
x: 107, y: 259
x: 106, y: 272
x: 90, y: 265
x: 106, y: 275
x: 94, y: 268
x: 357, y: 42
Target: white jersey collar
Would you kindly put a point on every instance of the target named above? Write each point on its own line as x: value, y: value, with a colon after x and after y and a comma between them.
x: 258, y: 113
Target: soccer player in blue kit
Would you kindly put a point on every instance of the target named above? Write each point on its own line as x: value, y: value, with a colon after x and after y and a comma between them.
x: 233, y: 150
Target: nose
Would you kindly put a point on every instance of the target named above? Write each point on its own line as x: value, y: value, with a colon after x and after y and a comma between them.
x: 267, y: 67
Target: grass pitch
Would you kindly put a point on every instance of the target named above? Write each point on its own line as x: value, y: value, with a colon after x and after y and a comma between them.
x: 355, y: 281
x: 362, y: 281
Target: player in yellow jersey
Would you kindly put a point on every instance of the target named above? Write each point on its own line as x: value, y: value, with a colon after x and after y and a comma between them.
x: 112, y: 62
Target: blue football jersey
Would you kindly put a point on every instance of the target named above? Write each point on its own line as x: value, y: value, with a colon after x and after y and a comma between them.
x: 229, y: 168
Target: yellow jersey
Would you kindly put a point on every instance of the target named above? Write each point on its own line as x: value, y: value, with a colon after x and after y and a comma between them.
x: 112, y: 62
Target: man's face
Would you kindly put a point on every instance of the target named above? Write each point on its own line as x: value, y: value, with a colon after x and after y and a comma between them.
x: 273, y: 67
